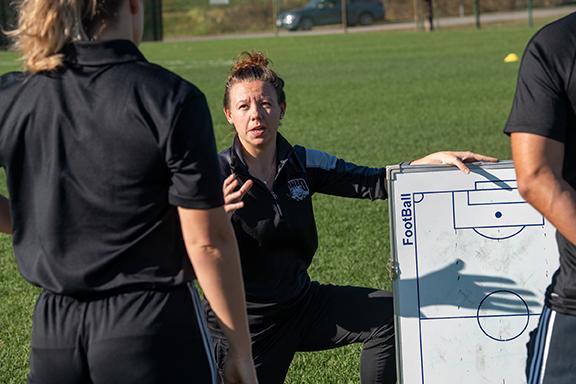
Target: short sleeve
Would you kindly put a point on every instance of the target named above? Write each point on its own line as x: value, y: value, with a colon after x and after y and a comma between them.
x: 191, y: 158
x: 541, y: 105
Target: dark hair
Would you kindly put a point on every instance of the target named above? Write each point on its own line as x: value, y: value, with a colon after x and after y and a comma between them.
x: 250, y: 66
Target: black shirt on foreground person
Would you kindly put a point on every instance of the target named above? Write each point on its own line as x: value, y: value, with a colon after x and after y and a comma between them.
x: 268, y: 187
x: 542, y: 128
x: 116, y: 204
x: 127, y: 156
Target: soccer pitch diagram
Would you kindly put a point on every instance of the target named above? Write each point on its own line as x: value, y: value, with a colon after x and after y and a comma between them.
x: 472, y: 261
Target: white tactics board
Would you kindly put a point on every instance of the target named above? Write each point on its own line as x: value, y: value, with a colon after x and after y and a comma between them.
x: 472, y: 261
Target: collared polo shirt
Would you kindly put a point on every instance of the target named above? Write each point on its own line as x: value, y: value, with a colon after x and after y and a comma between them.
x: 98, y: 154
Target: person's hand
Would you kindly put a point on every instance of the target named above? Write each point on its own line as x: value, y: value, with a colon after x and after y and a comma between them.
x: 455, y: 158
x: 239, y: 370
x: 232, y: 195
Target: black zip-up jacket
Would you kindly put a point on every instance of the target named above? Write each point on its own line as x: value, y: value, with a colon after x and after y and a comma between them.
x: 276, y: 230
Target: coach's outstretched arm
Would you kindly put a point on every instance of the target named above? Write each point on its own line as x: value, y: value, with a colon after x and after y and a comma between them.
x: 212, y: 249
x: 5, y: 218
x: 538, y: 161
x: 456, y: 158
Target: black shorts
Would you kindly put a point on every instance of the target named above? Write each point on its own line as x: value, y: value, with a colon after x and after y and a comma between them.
x: 136, y: 337
x: 551, y: 350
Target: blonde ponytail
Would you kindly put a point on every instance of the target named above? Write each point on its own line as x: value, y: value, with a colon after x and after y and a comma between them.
x: 46, y: 26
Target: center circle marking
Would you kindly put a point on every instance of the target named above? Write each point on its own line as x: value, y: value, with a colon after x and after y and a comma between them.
x: 503, y: 327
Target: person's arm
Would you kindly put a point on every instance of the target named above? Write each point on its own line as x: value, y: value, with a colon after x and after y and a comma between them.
x: 330, y: 175
x: 212, y: 249
x: 538, y: 161
x: 455, y: 158
x: 5, y: 218
x: 334, y: 176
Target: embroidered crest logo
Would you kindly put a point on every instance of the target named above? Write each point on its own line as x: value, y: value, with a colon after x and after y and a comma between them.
x: 298, y: 189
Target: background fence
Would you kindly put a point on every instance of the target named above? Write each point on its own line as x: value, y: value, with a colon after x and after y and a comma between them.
x: 199, y: 17
x: 181, y: 18
x: 7, y: 15
x: 153, y: 19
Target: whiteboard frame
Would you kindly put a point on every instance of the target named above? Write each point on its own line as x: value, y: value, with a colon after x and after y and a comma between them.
x: 392, y: 173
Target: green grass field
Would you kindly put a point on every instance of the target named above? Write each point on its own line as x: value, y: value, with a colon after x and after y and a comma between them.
x: 371, y: 98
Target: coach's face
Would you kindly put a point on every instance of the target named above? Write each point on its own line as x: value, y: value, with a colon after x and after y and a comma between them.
x: 255, y: 113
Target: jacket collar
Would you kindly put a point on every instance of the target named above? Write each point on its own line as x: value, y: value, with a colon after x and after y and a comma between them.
x: 283, y: 151
x: 97, y: 53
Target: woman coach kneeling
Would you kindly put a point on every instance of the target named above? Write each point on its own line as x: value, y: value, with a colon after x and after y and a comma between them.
x: 268, y: 191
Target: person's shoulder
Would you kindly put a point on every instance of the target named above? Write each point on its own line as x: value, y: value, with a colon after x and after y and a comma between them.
x: 167, y: 75
x: 11, y: 79
x: 558, y: 35
x: 314, y: 158
x: 553, y: 47
x: 225, y: 155
x: 225, y: 160
x: 565, y: 24
x: 161, y: 80
x: 11, y: 85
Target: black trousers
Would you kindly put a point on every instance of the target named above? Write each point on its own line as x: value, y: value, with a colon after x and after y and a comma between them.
x: 134, y: 337
x: 323, y: 317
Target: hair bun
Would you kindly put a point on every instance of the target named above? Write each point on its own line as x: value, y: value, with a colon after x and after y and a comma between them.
x: 249, y: 60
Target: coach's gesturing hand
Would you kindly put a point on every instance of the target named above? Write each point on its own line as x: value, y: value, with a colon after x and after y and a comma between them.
x: 232, y: 195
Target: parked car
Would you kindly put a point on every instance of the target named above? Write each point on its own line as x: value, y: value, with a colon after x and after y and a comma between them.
x: 323, y: 12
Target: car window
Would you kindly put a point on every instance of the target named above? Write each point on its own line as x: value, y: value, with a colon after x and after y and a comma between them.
x: 313, y: 4
x: 327, y: 4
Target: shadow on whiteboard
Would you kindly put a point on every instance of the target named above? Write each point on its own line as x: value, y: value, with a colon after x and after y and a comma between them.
x: 503, y: 184
x: 451, y: 293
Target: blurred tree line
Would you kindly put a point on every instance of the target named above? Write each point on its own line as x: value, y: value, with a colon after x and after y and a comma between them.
x: 199, y: 17
x: 170, y: 18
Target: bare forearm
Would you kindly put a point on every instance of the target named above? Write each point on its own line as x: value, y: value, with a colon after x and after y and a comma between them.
x: 5, y: 218
x: 555, y: 199
x: 218, y: 272
x: 212, y: 249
